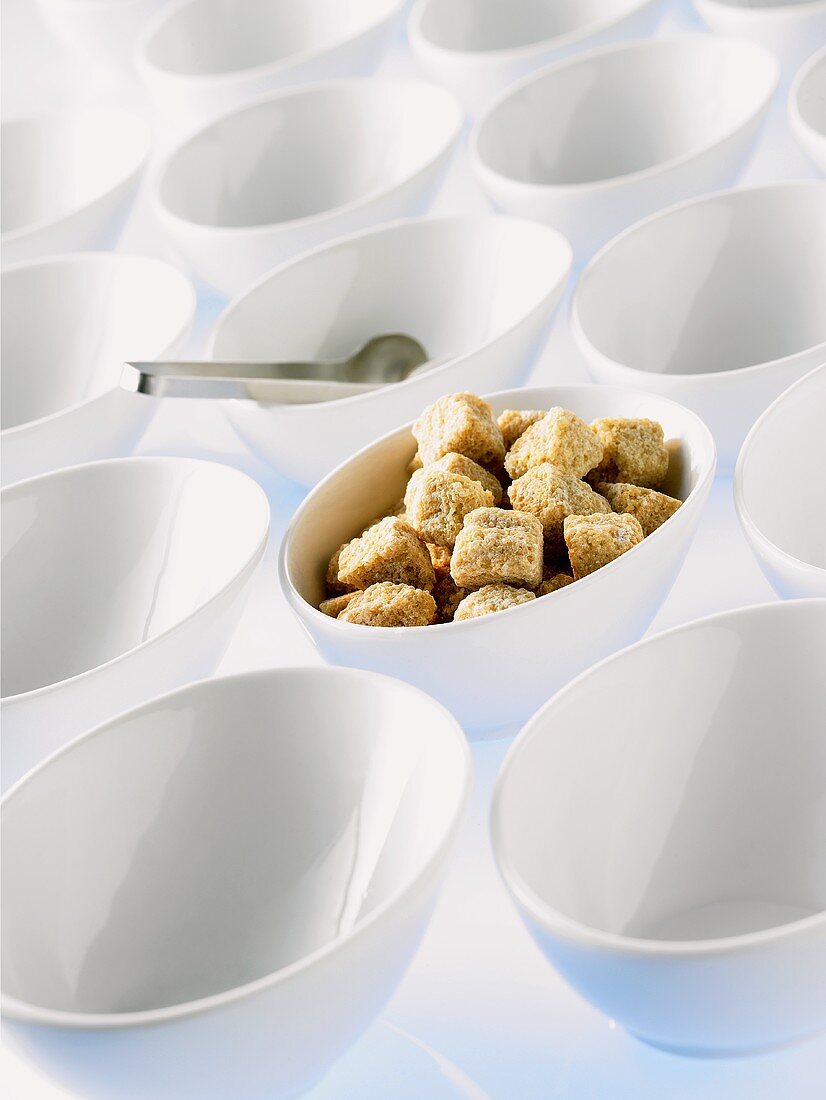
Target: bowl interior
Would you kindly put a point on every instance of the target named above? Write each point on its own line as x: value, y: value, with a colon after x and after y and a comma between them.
x: 625, y: 110
x: 69, y: 324
x: 480, y: 25
x: 777, y: 494
x: 212, y: 37
x: 306, y: 153
x: 811, y: 96
x: 731, y: 281
x: 101, y: 558
x: 454, y: 284
x: 243, y: 825
x: 676, y: 792
x: 56, y: 164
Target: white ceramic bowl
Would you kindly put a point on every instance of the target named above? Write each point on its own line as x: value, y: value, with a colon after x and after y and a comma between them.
x: 68, y: 324
x: 294, y: 169
x: 478, y: 47
x: 660, y: 825
x: 121, y: 579
x: 791, y: 29
x: 200, y: 58
x: 101, y: 31
x: 237, y: 875
x: 478, y: 292
x: 494, y: 671
x: 69, y: 180
x: 779, y: 493
x: 717, y: 303
x: 594, y: 143
x: 807, y: 108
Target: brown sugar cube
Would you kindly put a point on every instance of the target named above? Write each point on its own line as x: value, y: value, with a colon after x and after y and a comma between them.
x: 550, y: 494
x: 415, y: 463
x: 448, y: 595
x: 334, y: 586
x: 334, y: 606
x: 554, y: 583
x: 634, y: 451
x: 440, y: 556
x: 596, y: 540
x: 515, y: 422
x: 387, y: 604
x: 388, y: 551
x: 458, y: 464
x: 396, y: 509
x: 461, y: 423
x: 560, y: 438
x: 498, y: 547
x: 437, y: 502
x: 491, y: 598
x: 651, y: 508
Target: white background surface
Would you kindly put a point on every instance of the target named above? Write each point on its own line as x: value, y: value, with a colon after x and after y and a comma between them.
x: 478, y: 993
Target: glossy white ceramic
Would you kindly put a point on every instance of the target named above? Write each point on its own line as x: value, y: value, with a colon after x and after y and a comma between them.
x: 478, y: 292
x: 200, y: 58
x: 536, y: 647
x: 121, y: 579
x: 660, y: 825
x: 717, y: 303
x: 478, y: 47
x: 807, y: 108
x: 294, y: 169
x: 791, y: 29
x: 779, y: 494
x: 101, y: 31
x: 68, y: 324
x: 68, y: 180
x: 596, y: 142
x: 237, y: 876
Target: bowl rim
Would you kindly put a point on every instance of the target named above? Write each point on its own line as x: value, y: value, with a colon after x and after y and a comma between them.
x: 251, y: 559
x: 302, y: 608
x: 753, y: 532
x: 800, y: 125
x: 728, y: 194
x: 574, y: 931
x: 690, y: 41
x: 92, y: 259
x: 554, y: 239
x: 373, y: 86
x: 142, y: 132
x: 771, y: 11
x: 390, y: 10
x: 419, y: 40
x: 24, y: 1011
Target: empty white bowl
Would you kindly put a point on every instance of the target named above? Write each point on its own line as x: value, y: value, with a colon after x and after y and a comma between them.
x: 68, y: 180
x: 478, y: 47
x: 212, y: 896
x: 779, y: 492
x: 495, y: 670
x: 594, y: 143
x: 202, y: 57
x: 292, y: 170
x: 121, y: 579
x: 660, y: 825
x: 717, y: 303
x: 102, y: 31
x: 68, y: 324
x: 807, y: 108
x: 791, y: 29
x: 478, y: 293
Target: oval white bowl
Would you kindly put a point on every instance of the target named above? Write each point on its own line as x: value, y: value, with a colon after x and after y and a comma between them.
x: 717, y: 303
x: 791, y: 29
x: 478, y: 47
x: 807, y: 109
x: 294, y: 169
x: 478, y: 293
x: 659, y: 824
x: 234, y: 904
x: 69, y: 179
x: 200, y: 58
x: 533, y: 649
x: 594, y: 143
x: 121, y: 579
x: 102, y: 31
x: 68, y: 324
x: 780, y: 502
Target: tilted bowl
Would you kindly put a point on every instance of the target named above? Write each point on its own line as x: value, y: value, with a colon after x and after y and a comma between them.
x: 807, y: 108
x: 791, y: 29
